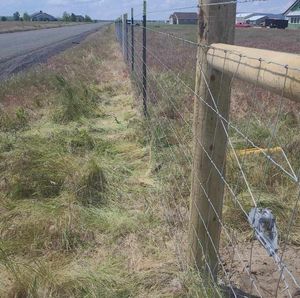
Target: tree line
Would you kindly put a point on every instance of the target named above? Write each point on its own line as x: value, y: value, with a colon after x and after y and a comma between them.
x: 67, y: 17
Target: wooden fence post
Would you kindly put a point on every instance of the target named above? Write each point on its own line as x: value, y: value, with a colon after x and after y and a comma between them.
x: 145, y: 59
x: 216, y: 24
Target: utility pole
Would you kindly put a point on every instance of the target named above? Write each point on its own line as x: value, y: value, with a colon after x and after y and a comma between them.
x: 216, y: 25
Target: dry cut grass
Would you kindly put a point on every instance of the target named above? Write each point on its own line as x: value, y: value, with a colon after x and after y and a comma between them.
x: 80, y: 211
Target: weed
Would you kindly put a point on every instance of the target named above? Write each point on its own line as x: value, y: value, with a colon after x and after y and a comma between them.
x: 32, y: 227
x: 35, y: 169
x: 90, y: 184
x: 74, y: 101
x: 81, y: 141
x: 6, y: 143
x: 15, y: 122
x: 198, y: 284
x: 39, y: 280
x: 113, y: 221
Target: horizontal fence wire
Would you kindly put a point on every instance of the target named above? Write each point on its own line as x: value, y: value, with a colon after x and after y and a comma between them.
x: 194, y: 7
x: 261, y: 165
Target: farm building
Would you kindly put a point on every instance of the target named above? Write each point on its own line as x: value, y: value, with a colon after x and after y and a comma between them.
x: 293, y: 15
x: 79, y: 18
x: 42, y: 16
x: 259, y: 19
x: 241, y: 17
x: 184, y: 18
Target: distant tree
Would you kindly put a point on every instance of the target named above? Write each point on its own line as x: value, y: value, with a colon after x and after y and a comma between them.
x: 87, y: 19
x: 26, y: 17
x: 17, y: 16
x: 73, y: 17
x: 3, y: 19
x: 66, y: 17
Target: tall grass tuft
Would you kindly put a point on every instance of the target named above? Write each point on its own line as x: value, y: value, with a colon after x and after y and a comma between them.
x: 35, y: 169
x: 90, y: 184
x: 16, y: 121
x: 74, y: 101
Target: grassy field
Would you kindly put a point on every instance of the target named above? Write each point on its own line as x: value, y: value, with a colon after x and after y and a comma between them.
x: 80, y: 215
x: 262, y: 38
x: 9, y: 27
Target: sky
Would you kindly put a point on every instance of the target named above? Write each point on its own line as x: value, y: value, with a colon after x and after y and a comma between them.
x: 111, y: 9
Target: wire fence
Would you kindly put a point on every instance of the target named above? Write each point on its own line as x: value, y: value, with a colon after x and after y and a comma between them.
x: 259, y: 223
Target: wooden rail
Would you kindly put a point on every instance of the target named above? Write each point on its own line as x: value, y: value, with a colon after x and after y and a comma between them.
x: 266, y: 68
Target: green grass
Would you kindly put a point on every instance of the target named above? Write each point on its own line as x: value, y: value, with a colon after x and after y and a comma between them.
x: 75, y: 100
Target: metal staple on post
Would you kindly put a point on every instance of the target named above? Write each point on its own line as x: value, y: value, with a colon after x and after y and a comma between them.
x: 145, y: 59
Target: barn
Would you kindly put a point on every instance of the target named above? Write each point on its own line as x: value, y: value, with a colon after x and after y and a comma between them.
x: 259, y: 19
x: 184, y: 18
x: 242, y: 17
x: 292, y: 14
x: 42, y: 16
x: 79, y: 18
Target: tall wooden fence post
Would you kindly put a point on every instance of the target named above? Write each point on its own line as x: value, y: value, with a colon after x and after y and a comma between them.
x: 132, y: 41
x: 216, y: 24
x: 145, y: 59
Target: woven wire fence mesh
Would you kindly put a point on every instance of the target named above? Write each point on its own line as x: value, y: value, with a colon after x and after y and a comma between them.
x: 262, y: 164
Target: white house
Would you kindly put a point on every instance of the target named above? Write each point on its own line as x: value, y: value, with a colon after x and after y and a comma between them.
x: 293, y: 15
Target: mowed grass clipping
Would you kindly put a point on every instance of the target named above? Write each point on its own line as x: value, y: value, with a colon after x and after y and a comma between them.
x: 75, y: 186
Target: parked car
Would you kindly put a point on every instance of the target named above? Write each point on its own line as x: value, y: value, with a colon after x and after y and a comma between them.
x: 242, y: 25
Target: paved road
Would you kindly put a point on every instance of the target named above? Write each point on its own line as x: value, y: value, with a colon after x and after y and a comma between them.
x: 20, y: 50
